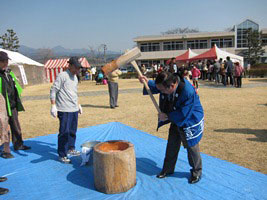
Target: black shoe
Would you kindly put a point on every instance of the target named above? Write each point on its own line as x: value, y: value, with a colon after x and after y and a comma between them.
x: 194, y: 179
x: 6, y: 155
x: 112, y: 107
x: 23, y: 147
x: 116, y: 106
x: 2, y: 179
x: 163, y: 174
x: 3, y: 191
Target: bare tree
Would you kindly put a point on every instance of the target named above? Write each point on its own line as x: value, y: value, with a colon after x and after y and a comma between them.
x: 44, y: 54
x: 96, y: 54
x: 180, y: 31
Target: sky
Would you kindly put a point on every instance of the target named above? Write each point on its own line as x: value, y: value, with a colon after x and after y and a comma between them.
x: 115, y: 23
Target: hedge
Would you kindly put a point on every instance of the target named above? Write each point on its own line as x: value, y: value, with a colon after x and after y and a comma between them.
x: 130, y: 75
x: 257, y: 72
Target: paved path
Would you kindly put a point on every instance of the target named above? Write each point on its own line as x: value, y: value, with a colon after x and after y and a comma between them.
x: 89, y: 93
x: 139, y: 90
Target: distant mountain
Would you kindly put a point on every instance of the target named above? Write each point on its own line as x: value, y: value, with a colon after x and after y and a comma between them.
x: 60, y: 51
x: 42, y: 55
x: 27, y: 51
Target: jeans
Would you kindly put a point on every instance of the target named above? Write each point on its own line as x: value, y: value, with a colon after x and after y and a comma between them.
x: 68, y: 123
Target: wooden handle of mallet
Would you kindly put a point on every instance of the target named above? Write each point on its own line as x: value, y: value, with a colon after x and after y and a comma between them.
x: 146, y: 86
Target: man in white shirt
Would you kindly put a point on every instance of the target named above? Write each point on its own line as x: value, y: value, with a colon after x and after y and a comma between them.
x: 64, y: 105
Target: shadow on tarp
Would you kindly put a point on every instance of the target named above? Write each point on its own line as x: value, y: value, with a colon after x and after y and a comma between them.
x: 46, y: 151
x: 261, y: 134
x: 84, y: 175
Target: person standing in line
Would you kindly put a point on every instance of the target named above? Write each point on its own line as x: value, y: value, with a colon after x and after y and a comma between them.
x: 195, y: 76
x: 11, y: 90
x: 223, y: 72
x: 180, y: 106
x: 229, y: 70
x: 173, y: 66
x: 93, y: 70
x: 217, y: 68
x: 113, y: 88
x: 238, y: 74
x: 64, y: 105
x: 143, y: 69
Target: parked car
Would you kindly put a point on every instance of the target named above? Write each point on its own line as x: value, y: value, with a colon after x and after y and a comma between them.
x: 149, y: 69
x: 124, y: 70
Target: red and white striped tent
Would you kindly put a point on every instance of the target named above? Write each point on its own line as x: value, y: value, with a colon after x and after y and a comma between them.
x: 54, y: 67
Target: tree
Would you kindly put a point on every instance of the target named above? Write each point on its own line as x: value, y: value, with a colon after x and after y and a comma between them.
x: 180, y: 31
x: 44, y: 54
x: 96, y: 53
x: 254, y: 46
x: 10, y: 41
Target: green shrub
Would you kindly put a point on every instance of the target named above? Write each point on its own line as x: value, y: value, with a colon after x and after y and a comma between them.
x: 258, y: 72
x: 129, y: 75
x: 259, y: 66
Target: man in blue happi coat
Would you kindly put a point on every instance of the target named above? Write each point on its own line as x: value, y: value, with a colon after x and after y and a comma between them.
x: 180, y: 106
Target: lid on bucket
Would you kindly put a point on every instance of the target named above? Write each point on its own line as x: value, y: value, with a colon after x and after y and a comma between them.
x: 90, y: 144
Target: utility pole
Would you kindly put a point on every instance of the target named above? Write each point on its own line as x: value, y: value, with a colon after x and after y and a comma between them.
x: 105, y: 48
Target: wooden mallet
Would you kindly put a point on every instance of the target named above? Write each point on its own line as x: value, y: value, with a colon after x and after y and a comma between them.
x: 146, y: 86
x: 122, y: 60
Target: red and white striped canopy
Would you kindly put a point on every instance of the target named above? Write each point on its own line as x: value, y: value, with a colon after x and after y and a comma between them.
x: 84, y: 62
x: 63, y: 63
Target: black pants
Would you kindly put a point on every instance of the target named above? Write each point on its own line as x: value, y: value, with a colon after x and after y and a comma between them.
x: 239, y: 81
x: 113, y: 89
x: 15, y: 129
x: 176, y: 137
x: 230, y: 75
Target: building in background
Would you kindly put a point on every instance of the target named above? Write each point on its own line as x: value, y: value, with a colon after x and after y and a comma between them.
x: 159, y: 48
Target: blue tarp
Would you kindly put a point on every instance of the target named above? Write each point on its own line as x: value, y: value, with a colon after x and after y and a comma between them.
x: 37, y: 173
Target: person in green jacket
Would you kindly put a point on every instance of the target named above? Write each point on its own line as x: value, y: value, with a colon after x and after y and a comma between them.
x: 11, y: 90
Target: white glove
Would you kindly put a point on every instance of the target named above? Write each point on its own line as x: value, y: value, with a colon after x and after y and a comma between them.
x: 53, y: 110
x: 80, y: 109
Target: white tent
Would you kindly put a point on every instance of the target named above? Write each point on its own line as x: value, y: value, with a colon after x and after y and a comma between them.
x: 217, y: 53
x: 20, y: 60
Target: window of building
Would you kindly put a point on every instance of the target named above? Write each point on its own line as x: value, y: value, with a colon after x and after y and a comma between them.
x: 222, y: 42
x: 145, y: 47
x: 150, y: 63
x: 197, y: 44
x: 174, y: 45
x: 241, y: 32
x: 264, y: 40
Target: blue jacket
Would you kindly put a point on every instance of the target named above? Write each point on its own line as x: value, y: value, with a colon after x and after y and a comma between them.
x: 186, y: 111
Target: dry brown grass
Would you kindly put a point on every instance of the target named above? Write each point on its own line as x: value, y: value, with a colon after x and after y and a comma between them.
x: 235, y: 119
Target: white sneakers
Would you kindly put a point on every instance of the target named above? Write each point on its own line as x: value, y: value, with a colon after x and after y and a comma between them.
x: 65, y: 160
x: 70, y: 153
x: 73, y: 152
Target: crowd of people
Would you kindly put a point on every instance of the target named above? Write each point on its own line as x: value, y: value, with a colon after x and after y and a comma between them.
x: 224, y: 72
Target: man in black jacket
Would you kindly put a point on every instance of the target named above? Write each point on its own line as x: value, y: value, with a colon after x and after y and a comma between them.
x: 11, y: 90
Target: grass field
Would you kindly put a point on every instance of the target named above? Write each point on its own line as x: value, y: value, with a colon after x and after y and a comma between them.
x: 235, y: 119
